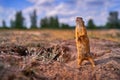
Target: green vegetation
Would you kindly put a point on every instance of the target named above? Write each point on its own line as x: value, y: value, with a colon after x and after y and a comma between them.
x: 19, y: 21
x: 50, y: 22
x: 4, y: 24
x: 91, y: 24
x: 113, y: 20
x: 112, y: 25
x: 33, y: 18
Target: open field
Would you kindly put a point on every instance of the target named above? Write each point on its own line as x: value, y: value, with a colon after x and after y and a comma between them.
x: 19, y: 36
x: 51, y: 55
x: 112, y: 35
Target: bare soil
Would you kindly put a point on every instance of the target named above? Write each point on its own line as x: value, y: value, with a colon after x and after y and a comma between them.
x: 48, y: 55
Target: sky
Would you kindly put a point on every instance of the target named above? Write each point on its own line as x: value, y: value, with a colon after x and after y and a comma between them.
x: 66, y: 10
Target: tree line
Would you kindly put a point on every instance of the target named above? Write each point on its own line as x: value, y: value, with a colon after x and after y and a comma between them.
x: 112, y: 22
x: 49, y: 23
x: 108, y: 25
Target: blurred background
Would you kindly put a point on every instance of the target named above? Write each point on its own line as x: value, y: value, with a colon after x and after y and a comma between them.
x: 58, y: 14
x: 37, y: 39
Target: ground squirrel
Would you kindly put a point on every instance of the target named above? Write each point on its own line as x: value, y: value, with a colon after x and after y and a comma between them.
x: 82, y: 43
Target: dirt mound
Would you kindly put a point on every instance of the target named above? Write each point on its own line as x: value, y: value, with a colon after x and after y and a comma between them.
x: 57, y: 61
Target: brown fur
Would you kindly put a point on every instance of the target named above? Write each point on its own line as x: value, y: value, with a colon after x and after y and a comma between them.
x: 82, y: 42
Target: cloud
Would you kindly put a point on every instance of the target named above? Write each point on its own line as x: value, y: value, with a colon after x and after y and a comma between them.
x: 38, y: 2
x: 27, y: 11
x: 67, y: 10
x: 95, y: 3
x: 6, y: 14
x: 62, y: 9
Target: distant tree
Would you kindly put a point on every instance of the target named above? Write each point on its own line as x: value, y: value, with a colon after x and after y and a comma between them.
x: 113, y: 21
x: 44, y: 23
x: 56, y: 22
x: 91, y: 24
x: 53, y: 22
x: 50, y: 22
x: 109, y: 25
x: 12, y: 23
x: 65, y: 26
x: 112, y: 24
x: 4, y: 24
x: 19, y: 21
x: 33, y: 18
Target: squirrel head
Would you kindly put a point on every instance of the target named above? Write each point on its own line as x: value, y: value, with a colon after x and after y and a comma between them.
x: 79, y: 22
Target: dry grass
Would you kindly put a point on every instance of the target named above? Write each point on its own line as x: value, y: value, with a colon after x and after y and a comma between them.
x: 39, y: 64
x: 50, y: 35
x: 112, y: 34
x: 19, y: 36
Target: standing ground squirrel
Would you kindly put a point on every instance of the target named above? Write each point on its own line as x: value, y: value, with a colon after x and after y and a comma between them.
x: 82, y: 43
